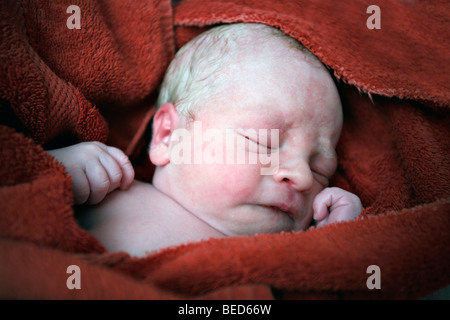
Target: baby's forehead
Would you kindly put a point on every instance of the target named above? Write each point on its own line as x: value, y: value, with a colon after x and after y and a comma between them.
x: 267, y: 66
x: 253, y: 66
x: 253, y: 104
x: 273, y: 44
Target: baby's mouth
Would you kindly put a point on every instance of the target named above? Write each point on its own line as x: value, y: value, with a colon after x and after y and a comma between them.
x: 278, y: 209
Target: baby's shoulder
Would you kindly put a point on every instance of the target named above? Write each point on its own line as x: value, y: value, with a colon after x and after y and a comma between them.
x: 137, y: 220
x: 137, y: 199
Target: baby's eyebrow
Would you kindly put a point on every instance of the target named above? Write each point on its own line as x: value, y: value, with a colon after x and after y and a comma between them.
x: 265, y: 124
x: 327, y: 151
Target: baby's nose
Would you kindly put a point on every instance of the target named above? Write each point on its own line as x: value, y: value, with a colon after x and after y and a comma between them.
x: 298, y: 176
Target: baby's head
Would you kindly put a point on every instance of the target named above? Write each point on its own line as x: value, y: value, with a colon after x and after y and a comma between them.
x: 223, y: 91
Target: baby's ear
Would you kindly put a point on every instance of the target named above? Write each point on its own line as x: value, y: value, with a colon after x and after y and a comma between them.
x: 165, y: 122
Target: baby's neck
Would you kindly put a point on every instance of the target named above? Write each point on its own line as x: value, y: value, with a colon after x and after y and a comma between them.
x: 185, y: 221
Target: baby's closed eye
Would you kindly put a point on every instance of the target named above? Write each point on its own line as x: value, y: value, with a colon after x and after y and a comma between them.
x: 256, y: 141
x: 321, y: 178
x: 323, y: 168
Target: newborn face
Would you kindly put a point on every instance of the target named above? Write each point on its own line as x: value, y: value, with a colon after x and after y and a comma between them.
x: 281, y: 92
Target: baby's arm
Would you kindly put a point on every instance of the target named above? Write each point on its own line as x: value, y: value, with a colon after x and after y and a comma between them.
x: 96, y: 170
x: 335, y: 204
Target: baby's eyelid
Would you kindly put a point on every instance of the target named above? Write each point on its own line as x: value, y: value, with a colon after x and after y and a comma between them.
x: 325, y: 163
x: 323, y: 180
x: 326, y: 172
x: 321, y: 173
x: 255, y: 140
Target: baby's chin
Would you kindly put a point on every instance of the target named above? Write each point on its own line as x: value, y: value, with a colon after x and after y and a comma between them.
x: 262, y: 220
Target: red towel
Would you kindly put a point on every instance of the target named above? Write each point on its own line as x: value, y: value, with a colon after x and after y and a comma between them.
x: 60, y: 86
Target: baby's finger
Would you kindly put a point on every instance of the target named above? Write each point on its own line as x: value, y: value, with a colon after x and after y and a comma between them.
x: 80, y: 186
x: 347, y: 209
x: 125, y: 165
x: 98, y: 181
x: 112, y: 169
x: 320, y: 214
x: 321, y: 204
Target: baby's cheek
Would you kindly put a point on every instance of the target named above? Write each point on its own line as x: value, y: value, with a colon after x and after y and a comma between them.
x: 234, y: 181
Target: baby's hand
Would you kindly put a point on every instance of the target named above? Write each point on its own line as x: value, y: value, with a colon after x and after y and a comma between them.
x: 96, y: 170
x: 334, y: 204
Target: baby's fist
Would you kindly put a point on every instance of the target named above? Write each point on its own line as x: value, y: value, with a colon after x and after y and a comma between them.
x: 334, y: 205
x: 96, y: 170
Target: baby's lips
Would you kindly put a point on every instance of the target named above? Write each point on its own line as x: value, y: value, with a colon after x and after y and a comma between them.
x: 281, y: 207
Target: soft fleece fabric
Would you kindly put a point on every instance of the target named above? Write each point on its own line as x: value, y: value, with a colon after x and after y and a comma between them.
x: 60, y: 86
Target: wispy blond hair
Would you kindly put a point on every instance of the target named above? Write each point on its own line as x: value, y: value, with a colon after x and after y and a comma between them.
x: 196, y: 71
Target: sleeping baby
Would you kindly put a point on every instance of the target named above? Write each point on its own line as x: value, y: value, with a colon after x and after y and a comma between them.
x: 260, y: 92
